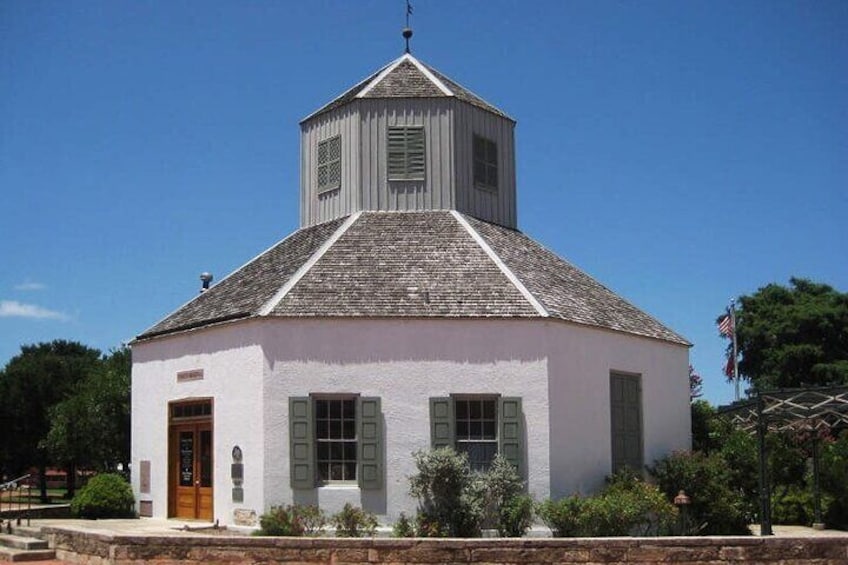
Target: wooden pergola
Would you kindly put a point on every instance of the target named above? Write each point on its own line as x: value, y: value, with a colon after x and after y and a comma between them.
x: 791, y: 409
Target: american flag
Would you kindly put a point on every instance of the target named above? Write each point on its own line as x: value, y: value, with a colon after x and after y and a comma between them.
x: 725, y: 325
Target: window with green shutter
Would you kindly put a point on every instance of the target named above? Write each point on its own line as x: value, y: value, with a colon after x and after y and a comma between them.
x: 329, y: 164
x: 481, y: 426
x: 626, y: 421
x: 336, y: 439
x: 405, y: 153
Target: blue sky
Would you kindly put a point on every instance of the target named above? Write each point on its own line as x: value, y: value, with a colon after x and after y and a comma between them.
x: 683, y: 153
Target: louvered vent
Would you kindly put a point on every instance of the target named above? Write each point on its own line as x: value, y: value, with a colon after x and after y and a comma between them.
x: 406, y: 153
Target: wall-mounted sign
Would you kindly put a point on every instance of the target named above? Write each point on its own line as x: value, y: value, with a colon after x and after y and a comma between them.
x: 193, y: 375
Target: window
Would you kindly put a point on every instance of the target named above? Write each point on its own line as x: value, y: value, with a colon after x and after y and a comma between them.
x: 485, y: 163
x: 405, y: 147
x: 481, y: 426
x: 335, y: 438
x: 626, y: 421
x: 329, y: 171
x: 476, y: 430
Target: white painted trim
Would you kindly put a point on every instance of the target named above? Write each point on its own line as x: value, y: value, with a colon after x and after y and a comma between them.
x: 393, y: 65
x: 295, y: 278
x: 501, y: 265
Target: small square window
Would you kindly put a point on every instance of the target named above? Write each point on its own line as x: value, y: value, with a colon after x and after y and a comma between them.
x: 329, y: 164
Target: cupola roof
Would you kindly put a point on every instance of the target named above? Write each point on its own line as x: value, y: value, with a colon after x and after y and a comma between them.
x: 407, y: 77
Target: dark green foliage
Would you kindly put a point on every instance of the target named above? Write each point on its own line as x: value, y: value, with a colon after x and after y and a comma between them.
x: 794, y: 336
x: 794, y: 505
x: 506, y: 507
x: 105, y: 496
x: 834, y: 480
x: 403, y: 528
x: 449, y: 503
x: 716, y: 508
x: 33, y: 381
x: 354, y: 522
x: 292, y: 521
x: 626, y: 506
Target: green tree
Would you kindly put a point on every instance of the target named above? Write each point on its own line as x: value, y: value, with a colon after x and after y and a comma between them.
x: 91, y: 427
x: 793, y: 336
x: 32, y: 382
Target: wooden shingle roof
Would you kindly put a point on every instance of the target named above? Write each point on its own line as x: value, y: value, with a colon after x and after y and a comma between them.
x: 407, y: 77
x: 438, y: 264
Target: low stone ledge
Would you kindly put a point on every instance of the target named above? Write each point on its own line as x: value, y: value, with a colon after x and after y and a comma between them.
x: 94, y: 548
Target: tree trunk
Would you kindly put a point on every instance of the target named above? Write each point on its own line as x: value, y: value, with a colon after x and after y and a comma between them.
x: 71, y: 471
x: 42, y: 482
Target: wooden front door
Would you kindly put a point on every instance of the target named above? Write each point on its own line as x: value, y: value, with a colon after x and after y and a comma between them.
x: 190, y: 467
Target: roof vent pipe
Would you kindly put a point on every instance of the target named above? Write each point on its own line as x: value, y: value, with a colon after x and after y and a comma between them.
x: 205, y: 278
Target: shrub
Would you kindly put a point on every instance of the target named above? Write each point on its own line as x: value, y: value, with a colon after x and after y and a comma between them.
x: 354, y: 522
x: 794, y: 505
x: 834, y: 469
x: 448, y: 499
x: 564, y: 516
x: 716, y: 508
x: 403, y: 528
x: 506, y: 507
x: 627, y: 506
x: 292, y: 520
x: 104, y: 496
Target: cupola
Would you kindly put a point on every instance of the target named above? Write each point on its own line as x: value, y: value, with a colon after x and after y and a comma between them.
x: 407, y: 138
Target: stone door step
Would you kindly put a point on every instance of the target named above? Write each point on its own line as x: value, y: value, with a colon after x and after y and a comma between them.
x: 19, y: 555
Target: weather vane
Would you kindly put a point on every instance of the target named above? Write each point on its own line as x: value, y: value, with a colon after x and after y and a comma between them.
x: 407, y: 31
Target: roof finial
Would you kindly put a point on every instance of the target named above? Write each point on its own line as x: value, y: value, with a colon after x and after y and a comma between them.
x: 407, y: 31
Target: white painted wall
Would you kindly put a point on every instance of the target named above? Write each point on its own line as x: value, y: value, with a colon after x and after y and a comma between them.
x: 580, y: 362
x: 232, y: 363
x: 560, y: 370
x: 405, y: 362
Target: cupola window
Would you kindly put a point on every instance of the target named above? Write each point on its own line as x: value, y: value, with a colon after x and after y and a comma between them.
x: 329, y: 164
x: 405, y: 153
x: 485, y: 163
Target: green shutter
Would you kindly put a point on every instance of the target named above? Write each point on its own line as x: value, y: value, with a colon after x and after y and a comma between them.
x: 626, y: 422
x: 442, y: 422
x: 370, y: 471
x: 511, y: 437
x: 301, y: 446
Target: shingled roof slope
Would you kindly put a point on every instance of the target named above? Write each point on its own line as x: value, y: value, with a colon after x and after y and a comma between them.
x: 245, y: 291
x: 407, y: 77
x: 418, y: 264
x: 565, y: 291
x: 412, y: 264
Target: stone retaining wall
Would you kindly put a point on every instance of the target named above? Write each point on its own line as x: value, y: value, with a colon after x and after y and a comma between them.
x: 96, y: 549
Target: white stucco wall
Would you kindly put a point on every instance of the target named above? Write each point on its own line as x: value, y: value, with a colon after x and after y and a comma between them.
x: 232, y: 363
x: 581, y: 360
x: 405, y: 362
x: 561, y: 372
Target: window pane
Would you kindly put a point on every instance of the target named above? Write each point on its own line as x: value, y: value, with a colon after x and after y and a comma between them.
x: 336, y: 450
x: 489, y: 409
x: 489, y: 430
x: 462, y: 429
x: 322, y: 429
x: 350, y: 451
x: 350, y: 471
x: 335, y: 429
x: 321, y: 408
x: 323, y: 451
x: 322, y: 152
x: 462, y: 409
x: 476, y: 410
x: 335, y: 408
x: 324, y: 471
x: 349, y: 429
x: 349, y: 409
x: 475, y: 430
x: 336, y: 472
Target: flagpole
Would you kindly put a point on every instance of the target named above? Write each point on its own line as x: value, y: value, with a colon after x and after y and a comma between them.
x: 735, y: 352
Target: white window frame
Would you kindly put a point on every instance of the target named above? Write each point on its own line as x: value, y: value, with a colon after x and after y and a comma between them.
x: 328, y: 461
x: 326, y: 164
x: 482, y: 438
x: 406, y: 148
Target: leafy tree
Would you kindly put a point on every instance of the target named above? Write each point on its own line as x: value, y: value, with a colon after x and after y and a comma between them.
x: 90, y: 428
x: 793, y: 336
x: 33, y: 381
x: 696, y: 385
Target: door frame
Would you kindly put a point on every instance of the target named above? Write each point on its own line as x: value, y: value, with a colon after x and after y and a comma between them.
x: 196, y: 415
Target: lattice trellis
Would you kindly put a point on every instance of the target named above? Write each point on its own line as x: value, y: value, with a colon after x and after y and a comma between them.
x: 801, y: 409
